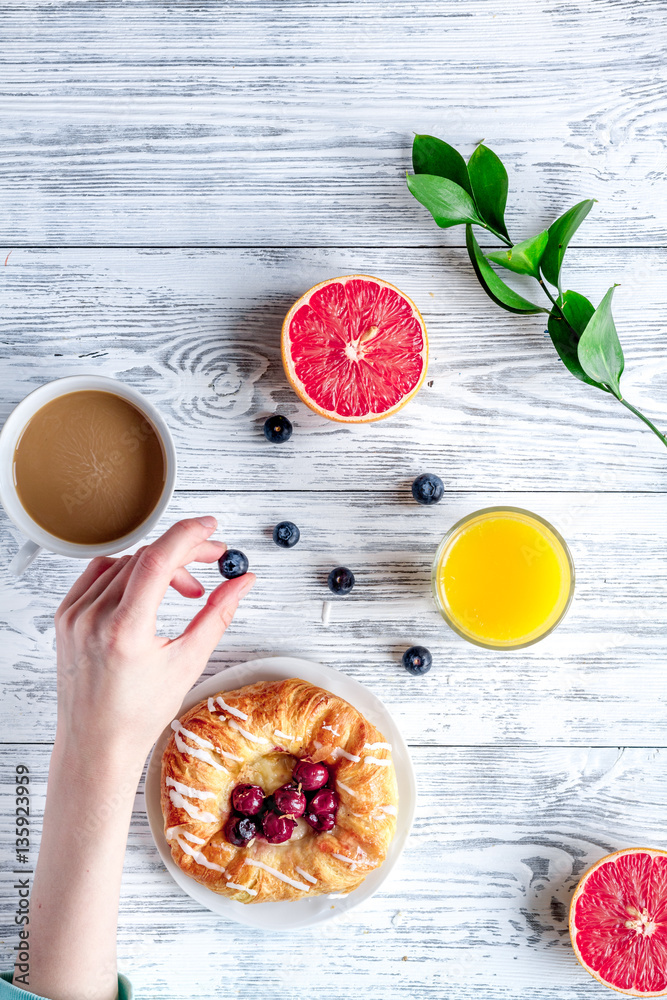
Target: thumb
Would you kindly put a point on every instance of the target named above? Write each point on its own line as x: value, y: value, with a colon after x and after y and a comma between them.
x: 206, y: 629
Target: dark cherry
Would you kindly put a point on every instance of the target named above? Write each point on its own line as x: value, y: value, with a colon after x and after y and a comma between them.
x: 277, y: 829
x: 322, y: 802
x: 310, y: 776
x: 239, y: 830
x: 288, y: 799
x: 248, y: 799
x: 320, y: 822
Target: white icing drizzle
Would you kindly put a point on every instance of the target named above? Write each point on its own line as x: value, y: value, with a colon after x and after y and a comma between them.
x: 230, y: 756
x: 193, y: 838
x: 339, y: 752
x: 392, y: 810
x: 199, y: 740
x: 331, y: 730
x: 377, y: 746
x: 182, y: 803
x: 211, y: 706
x: 232, y: 711
x: 199, y: 754
x: 235, y: 885
x: 284, y: 736
x: 350, y: 861
x: 244, y: 732
x: 346, y: 788
x: 309, y: 878
x: 198, y: 856
x: 376, y: 760
x: 274, y: 871
x: 191, y: 793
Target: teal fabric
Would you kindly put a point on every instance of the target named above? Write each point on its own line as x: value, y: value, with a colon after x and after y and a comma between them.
x: 10, y: 992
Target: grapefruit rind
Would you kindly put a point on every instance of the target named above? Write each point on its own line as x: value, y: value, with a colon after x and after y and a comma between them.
x: 579, y: 891
x: 299, y: 387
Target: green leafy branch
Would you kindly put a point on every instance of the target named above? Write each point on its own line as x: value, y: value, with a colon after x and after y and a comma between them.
x: 475, y: 194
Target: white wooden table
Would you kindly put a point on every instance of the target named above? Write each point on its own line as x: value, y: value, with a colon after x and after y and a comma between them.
x: 173, y: 177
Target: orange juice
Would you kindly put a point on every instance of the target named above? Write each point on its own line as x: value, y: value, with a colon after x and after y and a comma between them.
x: 503, y: 578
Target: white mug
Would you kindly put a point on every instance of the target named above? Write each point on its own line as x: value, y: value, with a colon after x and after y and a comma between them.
x: 38, y: 537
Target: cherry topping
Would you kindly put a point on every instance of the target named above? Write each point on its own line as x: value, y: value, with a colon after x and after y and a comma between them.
x: 320, y: 822
x: 310, y: 776
x: 322, y: 802
x: 248, y: 799
x: 239, y: 830
x: 288, y: 799
x: 277, y: 829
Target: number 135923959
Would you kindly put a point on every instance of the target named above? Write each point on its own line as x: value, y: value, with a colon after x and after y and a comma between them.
x: 22, y: 813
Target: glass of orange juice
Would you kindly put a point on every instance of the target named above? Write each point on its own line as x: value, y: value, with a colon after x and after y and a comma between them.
x: 503, y: 578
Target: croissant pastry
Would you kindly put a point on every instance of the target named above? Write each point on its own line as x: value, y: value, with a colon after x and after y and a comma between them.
x: 277, y: 791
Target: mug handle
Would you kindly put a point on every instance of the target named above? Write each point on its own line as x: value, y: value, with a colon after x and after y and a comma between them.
x: 24, y: 557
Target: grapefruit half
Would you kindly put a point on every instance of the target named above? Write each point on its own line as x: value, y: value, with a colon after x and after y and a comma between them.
x: 354, y: 348
x: 618, y: 922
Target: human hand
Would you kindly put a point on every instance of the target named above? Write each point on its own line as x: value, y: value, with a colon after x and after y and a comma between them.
x: 120, y: 684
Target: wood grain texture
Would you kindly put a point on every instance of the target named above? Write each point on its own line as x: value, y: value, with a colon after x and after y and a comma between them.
x: 599, y: 678
x: 199, y: 333
x: 476, y: 906
x: 282, y: 132
x: 262, y: 123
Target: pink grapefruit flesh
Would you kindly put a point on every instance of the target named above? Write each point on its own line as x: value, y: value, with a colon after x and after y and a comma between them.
x: 355, y: 348
x: 618, y: 922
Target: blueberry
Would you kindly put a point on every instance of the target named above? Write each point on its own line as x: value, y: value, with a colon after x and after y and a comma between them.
x: 341, y: 580
x: 428, y: 488
x: 417, y: 660
x: 286, y: 534
x: 239, y: 830
x: 277, y: 428
x: 234, y: 563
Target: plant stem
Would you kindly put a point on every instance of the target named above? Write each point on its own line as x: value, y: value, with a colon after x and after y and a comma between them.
x: 649, y: 423
x: 555, y: 304
x: 629, y: 406
x: 552, y: 299
x: 490, y: 229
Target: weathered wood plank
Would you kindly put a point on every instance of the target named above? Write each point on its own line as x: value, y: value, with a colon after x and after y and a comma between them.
x: 599, y: 678
x: 263, y: 123
x: 199, y: 332
x: 477, y: 905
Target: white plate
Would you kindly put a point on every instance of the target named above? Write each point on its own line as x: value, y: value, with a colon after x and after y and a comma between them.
x: 302, y: 912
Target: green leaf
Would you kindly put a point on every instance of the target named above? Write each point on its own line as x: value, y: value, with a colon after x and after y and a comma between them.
x: 447, y: 202
x: 523, y: 258
x: 560, y: 234
x: 494, y: 286
x: 488, y: 179
x: 566, y: 335
x: 433, y: 156
x: 599, y: 349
